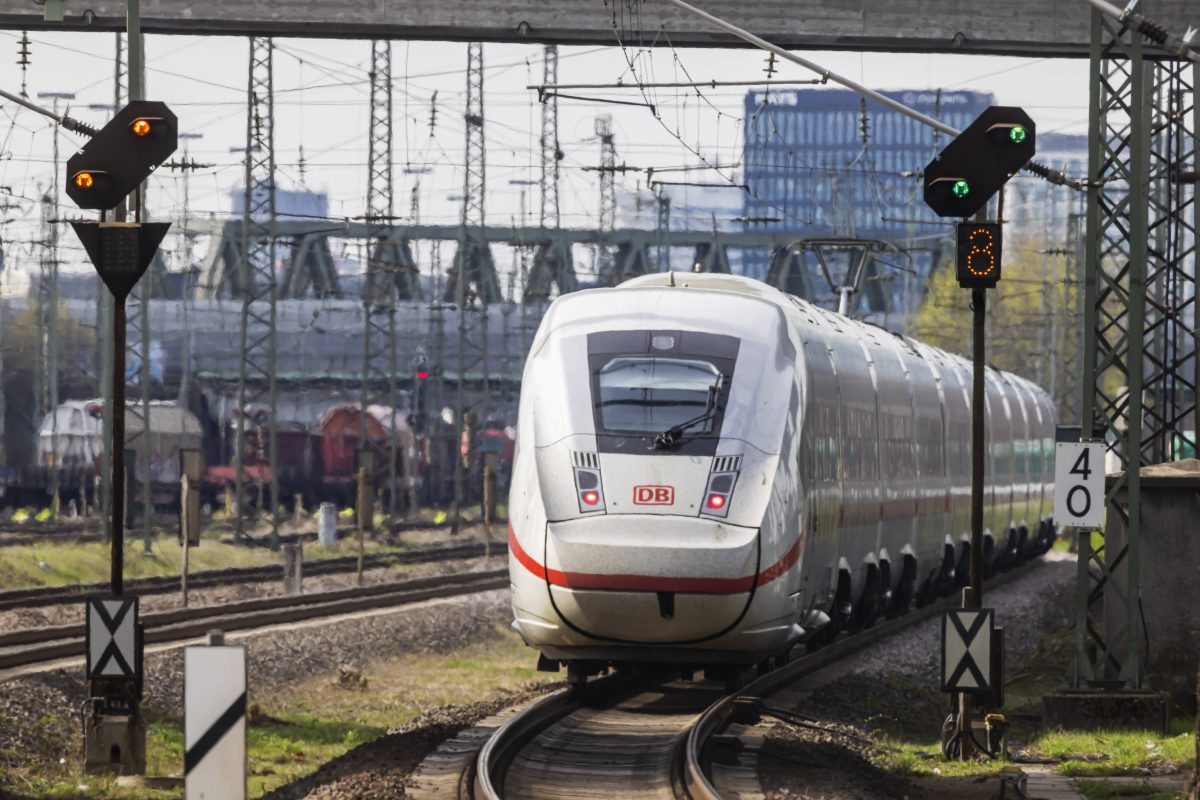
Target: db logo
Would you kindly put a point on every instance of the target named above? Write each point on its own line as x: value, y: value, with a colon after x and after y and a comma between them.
x: 654, y: 495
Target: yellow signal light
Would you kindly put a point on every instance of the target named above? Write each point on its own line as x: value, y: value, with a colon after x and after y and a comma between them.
x: 141, y: 127
x: 85, y: 180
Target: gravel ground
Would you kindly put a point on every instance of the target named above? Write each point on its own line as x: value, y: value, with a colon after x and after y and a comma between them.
x: 380, y: 770
x: 39, y: 710
x: 72, y: 613
x: 893, y: 687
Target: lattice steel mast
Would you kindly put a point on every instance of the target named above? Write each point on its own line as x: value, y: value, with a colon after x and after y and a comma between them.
x: 608, y: 196
x: 256, y: 375
x: 473, y: 274
x: 550, y: 152
x: 1143, y: 126
x: 552, y: 262
x: 379, y: 293
x: 1170, y: 411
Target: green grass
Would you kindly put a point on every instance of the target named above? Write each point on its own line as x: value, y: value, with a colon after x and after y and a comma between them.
x: 60, y: 563
x: 1099, y: 790
x: 294, y: 730
x: 1082, y: 753
x: 1128, y: 752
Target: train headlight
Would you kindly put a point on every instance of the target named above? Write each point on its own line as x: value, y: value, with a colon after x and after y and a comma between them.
x: 718, y: 493
x: 589, y: 490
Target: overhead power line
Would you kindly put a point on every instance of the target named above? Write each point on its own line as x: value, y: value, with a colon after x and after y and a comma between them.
x: 1040, y: 170
x: 1177, y: 45
x: 63, y: 120
x: 713, y: 84
x: 825, y: 74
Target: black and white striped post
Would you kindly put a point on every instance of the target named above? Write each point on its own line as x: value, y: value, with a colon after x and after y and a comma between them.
x: 214, y: 690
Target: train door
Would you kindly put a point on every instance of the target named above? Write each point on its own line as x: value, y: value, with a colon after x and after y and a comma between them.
x: 897, y: 451
x: 858, y: 519
x: 1023, y: 413
x: 929, y: 430
x: 999, y: 473
x: 821, y: 468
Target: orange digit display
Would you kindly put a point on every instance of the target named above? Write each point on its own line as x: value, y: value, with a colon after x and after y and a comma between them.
x: 978, y: 264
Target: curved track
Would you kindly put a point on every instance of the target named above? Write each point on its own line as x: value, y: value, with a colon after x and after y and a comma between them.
x: 40, y: 645
x: 638, y: 739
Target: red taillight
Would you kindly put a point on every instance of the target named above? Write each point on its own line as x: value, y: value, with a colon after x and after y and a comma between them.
x: 591, y: 498
x: 422, y: 375
x: 716, y: 501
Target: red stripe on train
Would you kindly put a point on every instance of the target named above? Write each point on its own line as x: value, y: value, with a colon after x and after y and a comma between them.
x: 652, y: 583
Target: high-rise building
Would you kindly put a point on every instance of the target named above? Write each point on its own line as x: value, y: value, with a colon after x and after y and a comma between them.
x: 826, y: 162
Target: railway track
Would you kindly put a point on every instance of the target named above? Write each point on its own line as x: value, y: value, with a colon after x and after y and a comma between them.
x: 94, y: 530
x: 621, y: 736
x: 42, y: 596
x: 41, y: 645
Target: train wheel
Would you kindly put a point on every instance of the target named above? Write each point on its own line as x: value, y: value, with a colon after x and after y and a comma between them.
x: 903, y: 596
x: 962, y: 569
x: 947, y: 576
x: 886, y: 595
x: 868, y: 608
x: 1024, y: 551
x: 989, y: 560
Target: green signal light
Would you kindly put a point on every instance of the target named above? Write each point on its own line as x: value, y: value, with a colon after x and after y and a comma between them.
x: 961, y: 188
x: 1017, y: 134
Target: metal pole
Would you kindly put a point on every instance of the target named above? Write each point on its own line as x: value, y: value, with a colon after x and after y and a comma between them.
x: 979, y: 309
x: 117, y: 448
x: 133, y: 26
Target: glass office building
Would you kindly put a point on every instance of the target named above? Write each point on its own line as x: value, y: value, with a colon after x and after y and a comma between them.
x: 823, y: 162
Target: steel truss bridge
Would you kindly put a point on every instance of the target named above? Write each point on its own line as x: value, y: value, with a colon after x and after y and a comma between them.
x: 796, y: 261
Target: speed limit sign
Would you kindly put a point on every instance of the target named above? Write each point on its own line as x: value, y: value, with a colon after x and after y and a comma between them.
x: 1079, y: 484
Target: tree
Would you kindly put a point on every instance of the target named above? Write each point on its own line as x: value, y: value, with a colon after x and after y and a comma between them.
x: 1034, y: 326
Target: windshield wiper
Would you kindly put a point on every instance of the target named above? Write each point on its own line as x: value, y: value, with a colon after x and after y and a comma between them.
x: 673, y: 435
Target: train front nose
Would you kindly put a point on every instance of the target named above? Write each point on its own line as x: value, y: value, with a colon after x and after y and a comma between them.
x: 642, y: 578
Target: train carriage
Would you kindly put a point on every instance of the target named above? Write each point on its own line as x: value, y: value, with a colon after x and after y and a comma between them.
x: 711, y: 471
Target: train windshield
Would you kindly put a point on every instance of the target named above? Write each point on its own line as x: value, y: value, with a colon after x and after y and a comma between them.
x: 649, y: 394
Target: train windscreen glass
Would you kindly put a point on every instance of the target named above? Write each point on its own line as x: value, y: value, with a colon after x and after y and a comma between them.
x: 648, y: 394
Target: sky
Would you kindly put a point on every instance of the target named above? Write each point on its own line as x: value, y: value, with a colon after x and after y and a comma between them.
x: 321, y: 90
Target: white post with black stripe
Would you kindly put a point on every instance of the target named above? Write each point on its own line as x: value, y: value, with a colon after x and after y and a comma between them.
x: 214, y: 688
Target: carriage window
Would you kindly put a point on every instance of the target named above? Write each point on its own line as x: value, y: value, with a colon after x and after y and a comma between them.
x: 648, y: 394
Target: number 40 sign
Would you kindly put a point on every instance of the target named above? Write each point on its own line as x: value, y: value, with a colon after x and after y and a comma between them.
x: 1079, y: 484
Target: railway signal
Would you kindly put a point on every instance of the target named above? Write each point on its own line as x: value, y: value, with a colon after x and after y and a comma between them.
x: 958, y: 183
x: 114, y: 163
x: 972, y: 168
x: 979, y: 251
x: 122, y: 155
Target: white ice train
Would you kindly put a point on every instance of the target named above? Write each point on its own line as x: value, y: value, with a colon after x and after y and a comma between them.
x: 710, y: 470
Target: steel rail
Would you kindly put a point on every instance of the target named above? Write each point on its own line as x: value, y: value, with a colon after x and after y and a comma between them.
x: 716, y: 716
x: 484, y: 777
x: 86, y: 531
x: 498, y: 752
x: 35, y: 646
x: 42, y: 596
